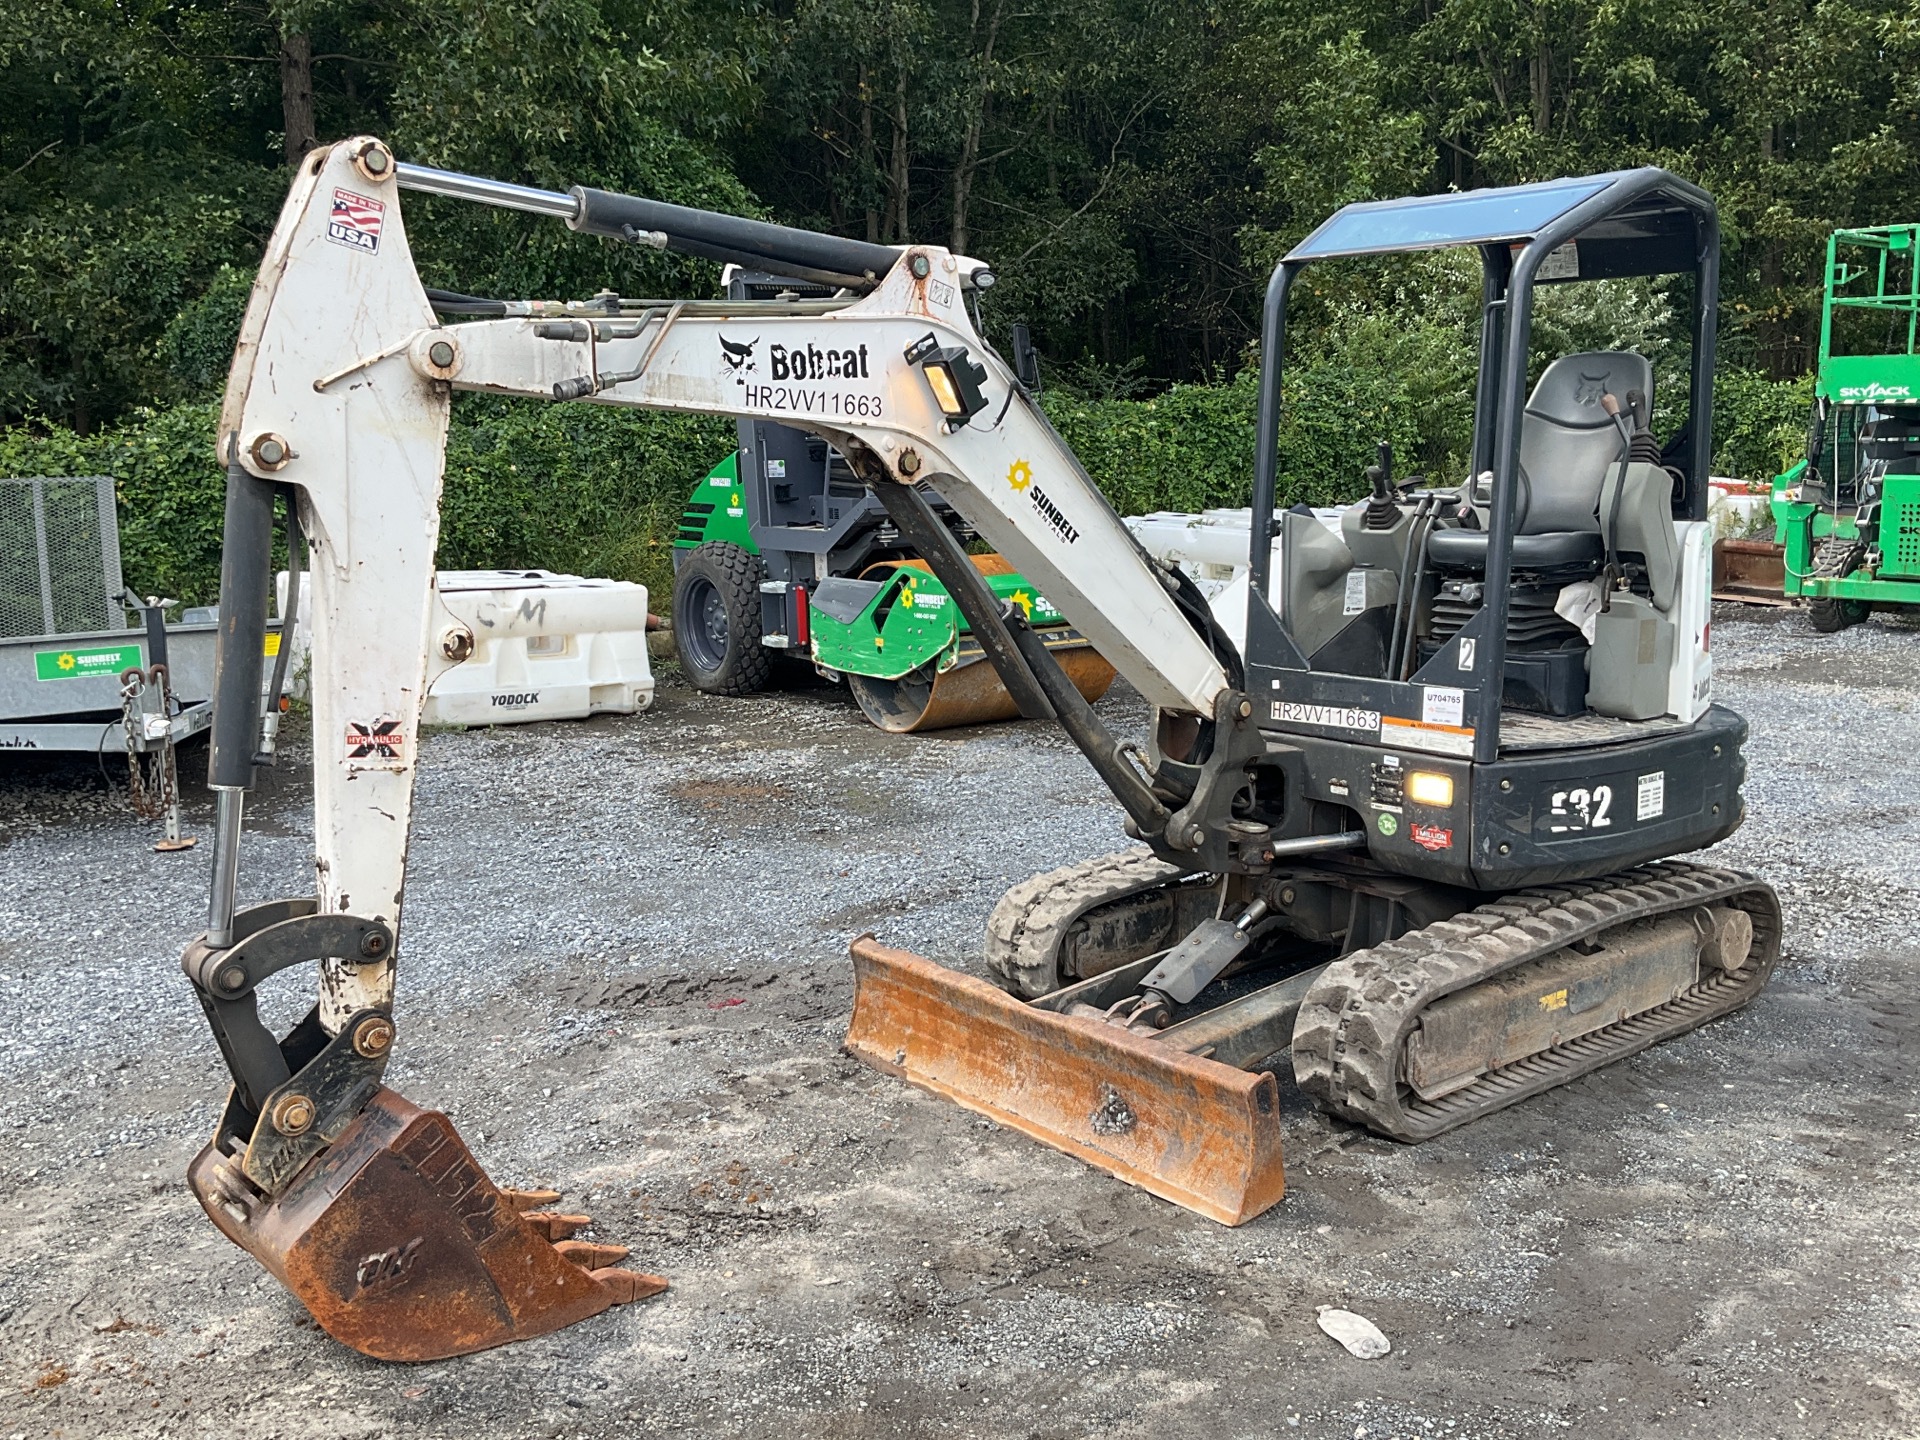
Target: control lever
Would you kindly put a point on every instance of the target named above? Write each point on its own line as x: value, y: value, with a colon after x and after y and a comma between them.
x: 1382, y: 513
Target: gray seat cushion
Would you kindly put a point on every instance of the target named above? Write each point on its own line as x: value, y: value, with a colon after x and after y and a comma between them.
x: 1467, y: 549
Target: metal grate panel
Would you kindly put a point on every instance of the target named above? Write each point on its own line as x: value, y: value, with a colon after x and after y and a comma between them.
x: 1900, y: 526
x: 59, y: 557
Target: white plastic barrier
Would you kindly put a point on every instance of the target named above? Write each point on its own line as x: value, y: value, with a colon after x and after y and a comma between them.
x: 546, y: 647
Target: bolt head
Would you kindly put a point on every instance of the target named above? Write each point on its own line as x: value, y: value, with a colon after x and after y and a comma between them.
x: 441, y: 353
x: 1245, y: 708
x: 292, y: 1115
x: 920, y: 266
x: 373, y: 944
x: 270, y: 451
x: 1506, y: 849
x: 910, y: 462
x: 233, y: 977
x: 373, y: 1037
x: 373, y: 160
x: 1196, y: 837
x: 1287, y: 896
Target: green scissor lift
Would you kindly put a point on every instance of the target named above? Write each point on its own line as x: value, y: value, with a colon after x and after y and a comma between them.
x: 1848, y: 514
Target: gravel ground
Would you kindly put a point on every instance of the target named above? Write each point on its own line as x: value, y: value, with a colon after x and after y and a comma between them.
x: 1717, y: 1238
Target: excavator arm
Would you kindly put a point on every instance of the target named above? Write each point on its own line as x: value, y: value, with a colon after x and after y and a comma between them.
x: 371, y: 1210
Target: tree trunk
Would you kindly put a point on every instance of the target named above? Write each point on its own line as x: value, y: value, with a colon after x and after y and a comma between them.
x: 296, y: 95
x: 898, y: 169
x: 963, y: 173
x: 1540, y: 78
x: 866, y: 155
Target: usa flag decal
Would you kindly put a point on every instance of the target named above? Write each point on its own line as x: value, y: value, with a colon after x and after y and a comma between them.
x: 356, y: 221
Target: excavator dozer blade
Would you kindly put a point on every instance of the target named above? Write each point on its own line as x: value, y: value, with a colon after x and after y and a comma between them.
x: 401, y: 1247
x: 1193, y: 1131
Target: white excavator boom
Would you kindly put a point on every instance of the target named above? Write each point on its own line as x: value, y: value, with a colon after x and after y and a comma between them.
x: 338, y: 404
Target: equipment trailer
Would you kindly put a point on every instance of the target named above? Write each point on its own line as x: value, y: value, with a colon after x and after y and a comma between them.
x: 1413, y: 835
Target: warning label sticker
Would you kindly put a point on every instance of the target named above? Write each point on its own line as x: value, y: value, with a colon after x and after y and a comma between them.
x: 1650, y: 803
x: 1355, y: 598
x: 380, y: 744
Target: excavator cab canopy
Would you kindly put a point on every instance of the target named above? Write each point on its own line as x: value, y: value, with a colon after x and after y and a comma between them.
x: 1624, y: 223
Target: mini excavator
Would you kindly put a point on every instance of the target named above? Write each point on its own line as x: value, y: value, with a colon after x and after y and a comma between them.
x: 1412, y: 841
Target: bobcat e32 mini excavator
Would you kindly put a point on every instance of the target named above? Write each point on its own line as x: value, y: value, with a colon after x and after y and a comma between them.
x: 1410, y: 836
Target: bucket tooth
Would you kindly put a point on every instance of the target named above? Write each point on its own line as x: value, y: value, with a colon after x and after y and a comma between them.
x: 401, y: 1247
x: 1201, y: 1134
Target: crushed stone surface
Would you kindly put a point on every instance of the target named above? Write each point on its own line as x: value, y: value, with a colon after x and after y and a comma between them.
x: 624, y: 973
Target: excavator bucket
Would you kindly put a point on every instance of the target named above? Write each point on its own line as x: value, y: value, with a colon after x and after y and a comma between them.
x: 401, y: 1247
x: 1190, y: 1130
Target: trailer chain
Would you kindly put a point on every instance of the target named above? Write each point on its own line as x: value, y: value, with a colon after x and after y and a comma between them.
x: 1352, y: 1033
x: 152, y: 776
x: 1034, y: 919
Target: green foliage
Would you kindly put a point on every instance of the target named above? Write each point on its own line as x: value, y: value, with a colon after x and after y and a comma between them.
x: 1759, y: 425
x: 170, y: 487
x: 197, y: 345
x: 559, y: 487
x: 1192, y: 447
x: 578, y: 488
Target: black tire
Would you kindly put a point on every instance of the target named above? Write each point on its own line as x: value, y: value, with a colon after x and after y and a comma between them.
x: 716, y: 620
x: 1827, y: 614
x: 1830, y: 616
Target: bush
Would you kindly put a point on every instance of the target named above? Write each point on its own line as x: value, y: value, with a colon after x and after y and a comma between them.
x: 528, y: 485
x: 1759, y: 425
x: 1192, y: 448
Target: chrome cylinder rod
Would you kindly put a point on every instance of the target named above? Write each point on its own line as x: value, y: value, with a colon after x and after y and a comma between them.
x: 226, y: 865
x: 429, y: 181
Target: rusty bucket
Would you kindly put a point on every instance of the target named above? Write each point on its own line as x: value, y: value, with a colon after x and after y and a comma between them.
x: 401, y: 1247
x: 1199, y: 1133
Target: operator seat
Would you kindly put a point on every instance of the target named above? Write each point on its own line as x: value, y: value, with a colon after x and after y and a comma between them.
x: 1568, y: 443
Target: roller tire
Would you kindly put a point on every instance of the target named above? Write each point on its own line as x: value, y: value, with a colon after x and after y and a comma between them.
x: 716, y: 620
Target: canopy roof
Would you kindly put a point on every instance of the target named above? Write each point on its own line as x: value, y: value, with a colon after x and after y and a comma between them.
x: 1644, y: 221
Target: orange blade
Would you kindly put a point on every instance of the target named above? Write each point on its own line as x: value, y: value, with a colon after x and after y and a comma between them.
x: 1193, y: 1131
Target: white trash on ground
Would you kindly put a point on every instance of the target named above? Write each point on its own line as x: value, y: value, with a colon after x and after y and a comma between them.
x: 1359, y: 1334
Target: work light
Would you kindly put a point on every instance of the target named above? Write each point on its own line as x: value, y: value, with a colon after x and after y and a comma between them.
x: 954, y: 378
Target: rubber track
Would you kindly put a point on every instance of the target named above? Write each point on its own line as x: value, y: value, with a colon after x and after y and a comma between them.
x: 1033, y: 919
x: 1355, y: 1022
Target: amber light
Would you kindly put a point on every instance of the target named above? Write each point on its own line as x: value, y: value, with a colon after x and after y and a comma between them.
x: 1429, y: 787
